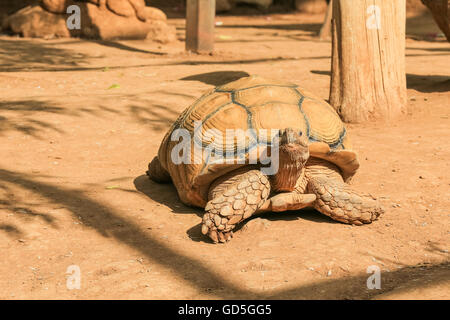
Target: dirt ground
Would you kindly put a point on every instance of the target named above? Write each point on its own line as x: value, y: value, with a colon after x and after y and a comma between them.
x: 80, y: 120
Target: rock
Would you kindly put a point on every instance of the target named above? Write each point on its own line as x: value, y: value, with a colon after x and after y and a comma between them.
x: 260, y: 3
x: 3, y: 17
x: 154, y: 14
x: 33, y: 21
x: 227, y: 5
x: 139, y: 8
x: 441, y: 14
x: 56, y: 6
x: 311, y: 6
x: 223, y: 5
x: 106, y: 19
x: 161, y: 32
x: 121, y: 7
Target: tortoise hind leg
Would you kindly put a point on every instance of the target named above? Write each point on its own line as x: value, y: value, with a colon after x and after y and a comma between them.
x: 232, y: 199
x: 157, y: 173
x: 337, y: 199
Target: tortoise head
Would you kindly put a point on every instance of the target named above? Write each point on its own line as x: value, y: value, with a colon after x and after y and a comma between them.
x: 293, y: 147
x: 293, y: 154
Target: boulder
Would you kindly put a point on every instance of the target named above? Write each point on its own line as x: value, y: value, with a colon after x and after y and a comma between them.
x: 101, y: 19
x: 121, y: 7
x: 226, y: 5
x: 33, y: 21
x: 55, y: 6
x: 260, y: 3
x: 161, y: 32
x: 440, y: 9
x: 154, y: 14
x: 223, y: 5
x: 311, y: 6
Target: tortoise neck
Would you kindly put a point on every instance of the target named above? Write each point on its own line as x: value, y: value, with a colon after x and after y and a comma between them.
x: 289, y: 172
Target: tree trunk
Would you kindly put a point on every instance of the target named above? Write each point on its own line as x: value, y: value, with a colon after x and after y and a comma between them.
x: 325, y: 30
x: 440, y: 9
x: 368, y: 78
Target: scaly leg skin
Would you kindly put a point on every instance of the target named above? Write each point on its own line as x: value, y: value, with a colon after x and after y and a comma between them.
x: 337, y: 199
x: 291, y: 201
x: 233, y: 198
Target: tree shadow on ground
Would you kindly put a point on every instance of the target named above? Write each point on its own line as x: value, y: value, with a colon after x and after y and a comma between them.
x: 109, y: 223
x: 32, y: 117
x: 21, y: 116
x: 48, y: 67
x: 18, y: 205
x: 25, y: 55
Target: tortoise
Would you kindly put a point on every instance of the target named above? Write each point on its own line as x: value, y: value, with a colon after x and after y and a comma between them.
x: 315, y: 157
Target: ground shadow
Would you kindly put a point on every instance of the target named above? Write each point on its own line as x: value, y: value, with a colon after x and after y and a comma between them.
x: 430, y: 49
x: 76, y: 65
x: 422, y: 83
x: 166, y: 194
x: 24, y: 55
x: 217, y: 78
x: 308, y: 27
x: 163, y: 193
x: 12, y: 203
x: 109, y: 223
x: 308, y: 214
x: 120, y: 46
x: 159, y: 117
x: 21, y: 116
x: 428, y: 83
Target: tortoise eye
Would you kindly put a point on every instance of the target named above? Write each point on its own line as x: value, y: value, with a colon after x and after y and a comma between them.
x: 300, y: 133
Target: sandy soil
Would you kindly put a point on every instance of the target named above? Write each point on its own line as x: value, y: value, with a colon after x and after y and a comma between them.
x: 80, y: 120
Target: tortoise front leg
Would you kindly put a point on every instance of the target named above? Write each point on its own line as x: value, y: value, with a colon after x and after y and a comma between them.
x: 337, y: 199
x: 233, y: 198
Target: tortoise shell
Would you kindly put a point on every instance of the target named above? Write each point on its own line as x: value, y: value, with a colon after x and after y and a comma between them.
x: 252, y: 103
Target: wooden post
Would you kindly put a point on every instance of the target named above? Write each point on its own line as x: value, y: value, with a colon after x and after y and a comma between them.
x: 200, y: 16
x: 368, y: 79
